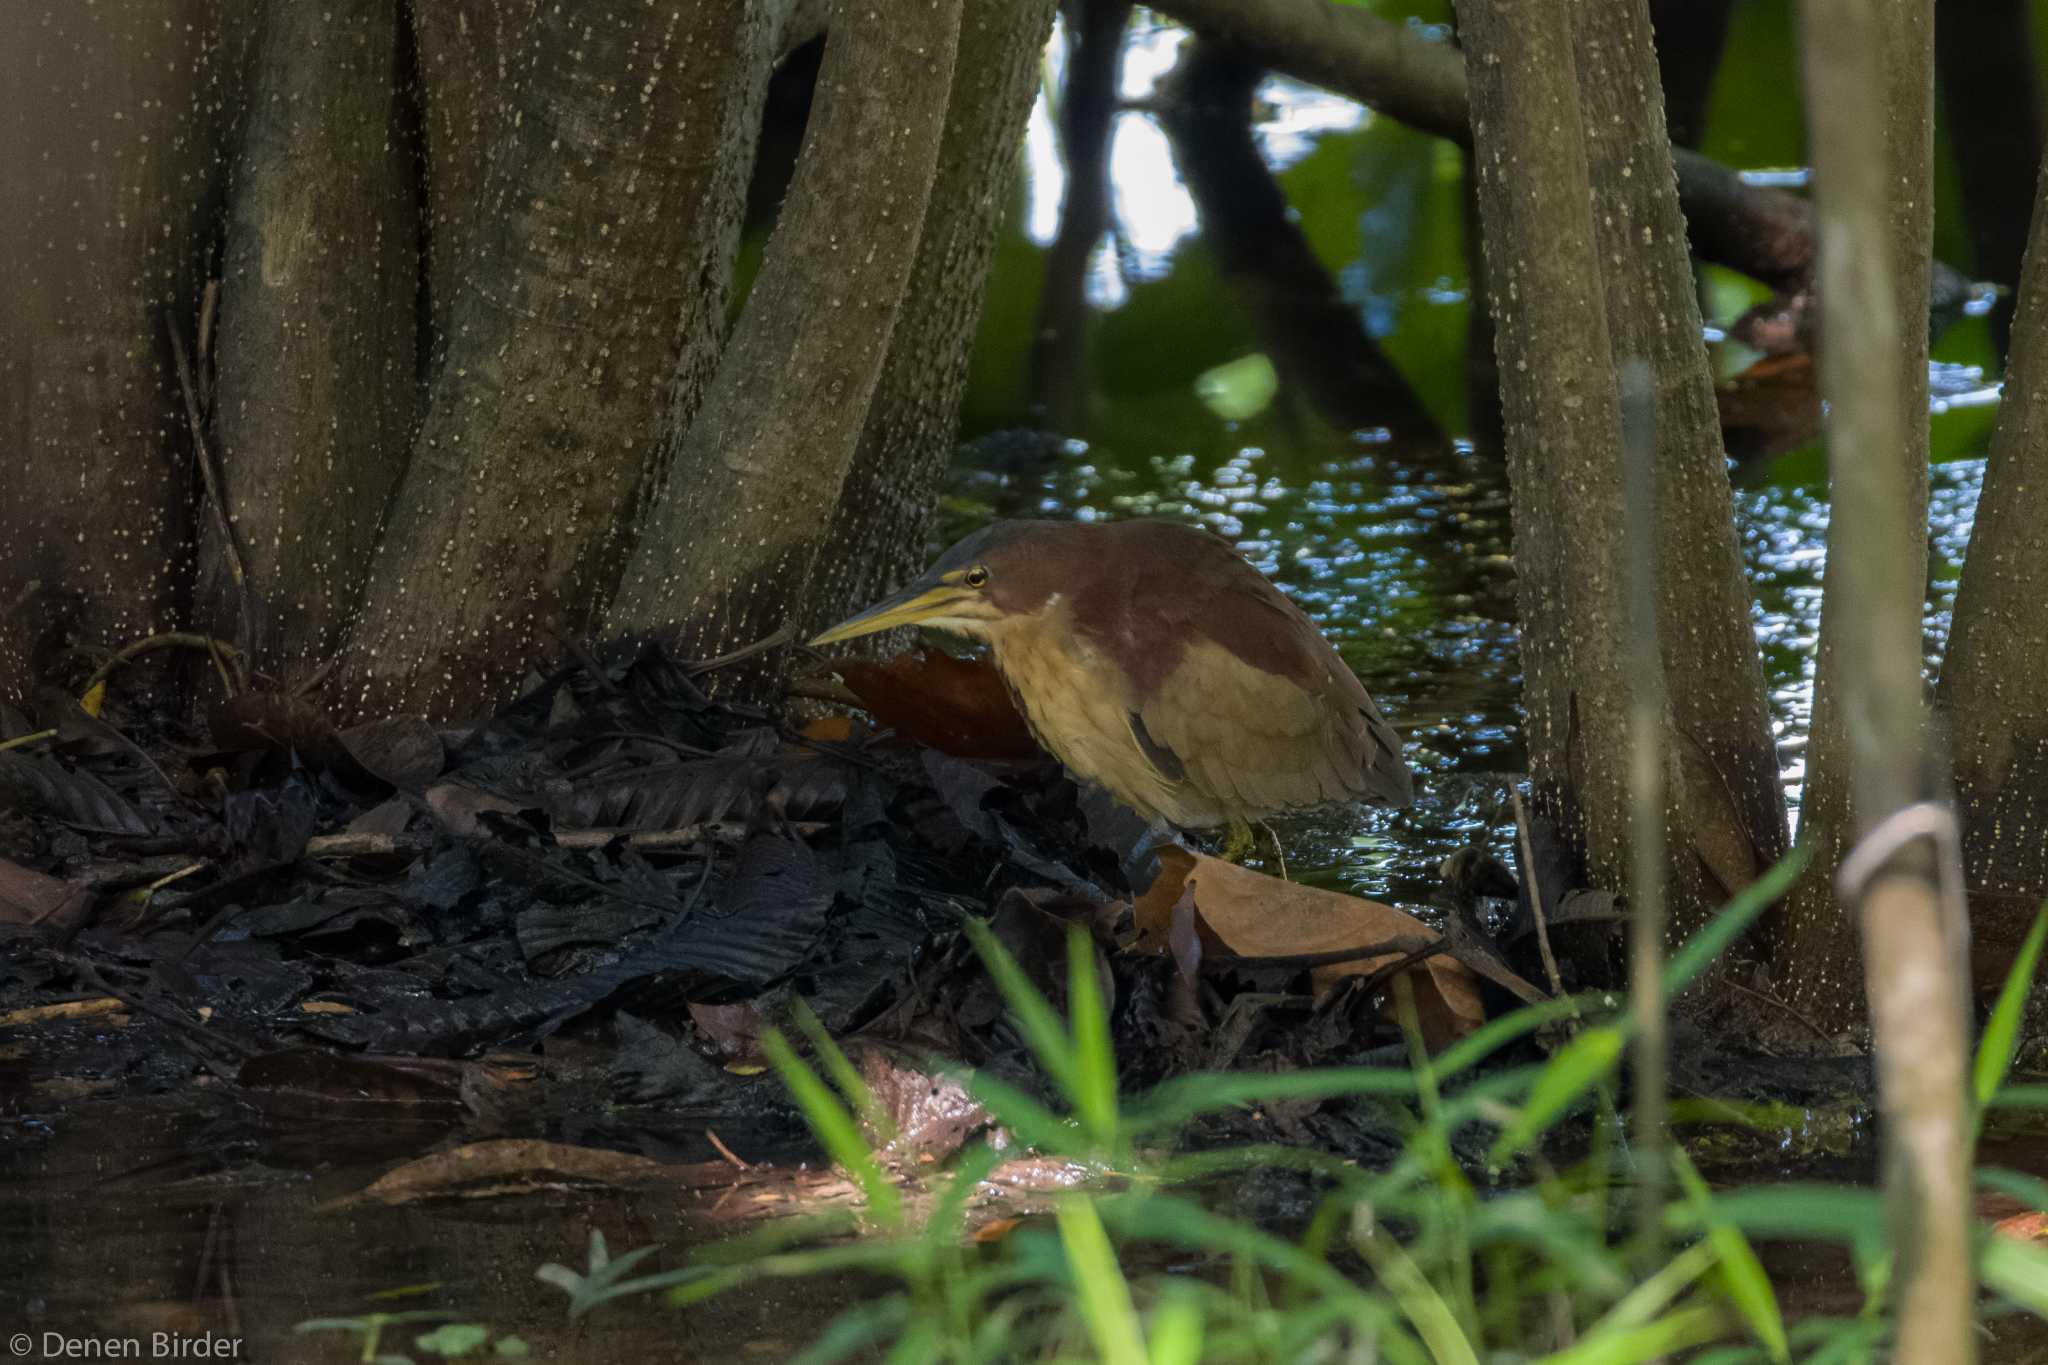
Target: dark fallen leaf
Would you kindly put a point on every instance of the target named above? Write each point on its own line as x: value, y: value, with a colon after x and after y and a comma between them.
x: 402, y: 750
x: 459, y: 807
x: 31, y: 897
x: 735, y: 1029
x: 278, y: 722
x: 78, y: 798
x: 331, y: 1075
x: 653, y: 1065
x: 674, y: 795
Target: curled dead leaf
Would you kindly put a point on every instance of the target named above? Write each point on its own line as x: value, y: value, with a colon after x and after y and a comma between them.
x: 1249, y: 914
x: 957, y: 706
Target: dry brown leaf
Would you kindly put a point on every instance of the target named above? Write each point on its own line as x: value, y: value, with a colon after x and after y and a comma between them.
x: 1252, y: 915
x: 957, y: 706
x: 31, y: 897
x: 508, y: 1166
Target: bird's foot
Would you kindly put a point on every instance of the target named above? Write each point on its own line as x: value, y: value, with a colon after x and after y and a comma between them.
x: 1243, y: 841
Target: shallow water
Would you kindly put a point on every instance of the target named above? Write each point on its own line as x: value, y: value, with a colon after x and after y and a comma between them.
x: 1397, y: 546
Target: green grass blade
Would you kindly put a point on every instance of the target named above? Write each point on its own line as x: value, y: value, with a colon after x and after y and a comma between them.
x: 1104, y: 1296
x: 1654, y: 1341
x: 1094, y: 1055
x: 1793, y: 1211
x: 1175, y: 1337
x: 2016, y: 1270
x: 1041, y: 1026
x: 836, y: 1129
x: 1742, y: 1274
x: 1726, y: 926
x: 1434, y: 1321
x: 1036, y: 1125
x: 2020, y: 1097
x: 1495, y: 1034
x: 1172, y: 1103
x: 2001, y: 1040
x: 1578, y: 1066
x: 855, y: 1331
x: 843, y: 1073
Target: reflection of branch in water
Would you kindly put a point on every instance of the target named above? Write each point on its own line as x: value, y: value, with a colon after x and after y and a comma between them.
x: 1087, y: 111
x: 1991, y: 98
x: 1691, y: 35
x: 1313, y: 336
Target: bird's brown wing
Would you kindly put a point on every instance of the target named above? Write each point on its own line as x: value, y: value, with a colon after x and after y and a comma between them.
x: 1263, y: 714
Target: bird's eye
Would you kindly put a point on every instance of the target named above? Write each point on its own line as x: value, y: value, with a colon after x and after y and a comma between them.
x: 975, y: 577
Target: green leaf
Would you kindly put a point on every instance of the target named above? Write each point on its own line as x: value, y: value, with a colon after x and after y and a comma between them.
x: 1578, y: 1066
x: 1171, y: 1104
x: 1238, y: 389
x: 454, y: 1339
x: 1099, y: 1281
x: 1742, y: 1274
x: 843, y: 1072
x: 512, y: 1348
x: 2016, y: 1270
x: 1094, y: 1055
x: 2001, y: 1040
x: 836, y: 1129
x: 1175, y: 1337
x: 1031, y: 1121
x: 1042, y: 1028
x: 1725, y: 927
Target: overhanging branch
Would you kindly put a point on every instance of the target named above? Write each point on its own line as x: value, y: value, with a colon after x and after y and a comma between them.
x: 1399, y: 71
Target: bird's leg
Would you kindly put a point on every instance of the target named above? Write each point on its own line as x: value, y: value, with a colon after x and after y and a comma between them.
x: 1278, y: 852
x: 1239, y: 843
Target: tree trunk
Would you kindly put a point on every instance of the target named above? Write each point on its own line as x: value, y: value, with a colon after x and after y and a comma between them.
x: 317, y: 369
x: 1562, y: 415
x: 732, y: 536
x: 1991, y: 682
x: 1726, y: 801
x: 117, y: 116
x: 1815, y: 938
x: 885, y: 506
x: 590, y: 308
x: 1869, y: 99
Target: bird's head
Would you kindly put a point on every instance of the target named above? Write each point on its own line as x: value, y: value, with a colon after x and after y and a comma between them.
x: 992, y: 577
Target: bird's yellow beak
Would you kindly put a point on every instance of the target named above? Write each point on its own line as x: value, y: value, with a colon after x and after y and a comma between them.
x: 916, y: 604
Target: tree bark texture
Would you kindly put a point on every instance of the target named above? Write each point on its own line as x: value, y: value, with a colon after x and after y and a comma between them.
x: 1991, y: 681
x: 886, y: 503
x: 1726, y: 799
x: 588, y: 313
x: 1563, y: 420
x: 318, y: 318
x: 779, y: 427
x: 1815, y: 938
x: 112, y: 152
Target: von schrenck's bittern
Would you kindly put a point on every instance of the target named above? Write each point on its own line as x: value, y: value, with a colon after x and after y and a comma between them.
x: 1152, y: 659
